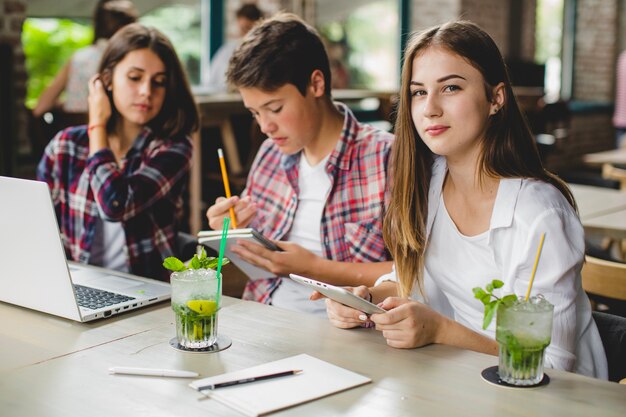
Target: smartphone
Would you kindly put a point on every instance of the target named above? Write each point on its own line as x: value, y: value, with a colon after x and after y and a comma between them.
x: 265, y: 241
x: 341, y: 295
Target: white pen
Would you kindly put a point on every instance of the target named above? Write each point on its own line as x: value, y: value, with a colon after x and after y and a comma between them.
x: 152, y: 372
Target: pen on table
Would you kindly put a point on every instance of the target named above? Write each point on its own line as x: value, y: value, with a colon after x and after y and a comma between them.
x: 248, y: 380
x: 220, y: 156
x: 152, y: 372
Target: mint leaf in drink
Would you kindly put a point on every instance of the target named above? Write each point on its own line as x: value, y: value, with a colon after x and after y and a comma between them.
x: 199, y: 261
x: 174, y: 264
x: 195, y: 263
x: 491, y: 306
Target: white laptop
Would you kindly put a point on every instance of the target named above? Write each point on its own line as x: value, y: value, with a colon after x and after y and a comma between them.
x: 35, y: 274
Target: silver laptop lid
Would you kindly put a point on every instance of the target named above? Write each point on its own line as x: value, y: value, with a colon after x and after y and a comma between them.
x: 34, y: 271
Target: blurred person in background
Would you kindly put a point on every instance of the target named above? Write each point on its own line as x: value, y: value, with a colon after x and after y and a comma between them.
x: 109, y: 16
x: 247, y: 16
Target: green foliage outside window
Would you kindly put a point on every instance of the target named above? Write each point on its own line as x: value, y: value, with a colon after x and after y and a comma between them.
x: 48, y: 44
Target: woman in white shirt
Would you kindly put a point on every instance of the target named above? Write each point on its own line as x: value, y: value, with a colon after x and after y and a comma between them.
x: 469, y: 202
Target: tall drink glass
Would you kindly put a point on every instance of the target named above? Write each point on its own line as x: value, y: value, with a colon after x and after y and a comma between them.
x: 523, y: 331
x: 195, y: 304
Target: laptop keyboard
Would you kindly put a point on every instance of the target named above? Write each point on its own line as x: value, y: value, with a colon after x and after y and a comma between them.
x: 94, y: 298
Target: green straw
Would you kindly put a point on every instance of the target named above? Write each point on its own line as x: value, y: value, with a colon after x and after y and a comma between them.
x: 221, y: 257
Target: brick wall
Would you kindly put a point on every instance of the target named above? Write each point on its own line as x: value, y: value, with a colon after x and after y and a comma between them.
x: 427, y: 13
x: 491, y: 15
x: 589, y: 132
x: 596, y: 50
x: 12, y: 15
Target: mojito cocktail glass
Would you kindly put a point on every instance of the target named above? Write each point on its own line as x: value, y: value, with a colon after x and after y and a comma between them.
x: 195, y: 303
x: 523, y: 331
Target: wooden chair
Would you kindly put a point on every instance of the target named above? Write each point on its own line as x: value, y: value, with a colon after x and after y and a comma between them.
x: 616, y: 173
x: 605, y: 280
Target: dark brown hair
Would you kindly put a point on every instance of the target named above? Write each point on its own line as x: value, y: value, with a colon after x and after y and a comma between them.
x: 110, y: 16
x: 179, y: 115
x: 281, y: 50
x: 508, y: 147
x: 249, y: 11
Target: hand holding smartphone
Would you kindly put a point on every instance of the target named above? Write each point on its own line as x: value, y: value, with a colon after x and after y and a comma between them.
x: 265, y: 241
x: 341, y: 295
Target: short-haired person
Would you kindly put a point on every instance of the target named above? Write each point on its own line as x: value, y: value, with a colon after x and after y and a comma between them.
x: 317, y: 185
x: 469, y: 203
x: 247, y: 16
x: 117, y: 183
x: 73, y: 79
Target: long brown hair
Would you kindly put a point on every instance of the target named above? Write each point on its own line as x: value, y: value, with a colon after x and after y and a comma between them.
x: 508, y: 148
x: 179, y: 114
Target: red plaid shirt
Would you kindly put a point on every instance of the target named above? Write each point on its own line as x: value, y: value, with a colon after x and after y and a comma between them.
x: 144, y: 194
x: 351, y: 227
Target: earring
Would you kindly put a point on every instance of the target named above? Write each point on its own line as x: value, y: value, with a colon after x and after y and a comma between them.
x: 495, y: 110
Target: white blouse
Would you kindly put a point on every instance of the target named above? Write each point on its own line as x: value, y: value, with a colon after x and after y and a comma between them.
x: 523, y: 210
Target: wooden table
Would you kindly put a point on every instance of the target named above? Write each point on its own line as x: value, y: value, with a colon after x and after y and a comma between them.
x: 603, y: 214
x: 608, y: 160
x: 55, y: 367
x: 597, y: 201
x: 614, y: 156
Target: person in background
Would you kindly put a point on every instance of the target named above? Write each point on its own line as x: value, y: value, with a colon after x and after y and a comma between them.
x: 247, y: 16
x: 317, y: 185
x: 619, y: 115
x: 73, y: 78
x: 470, y: 201
x: 117, y: 184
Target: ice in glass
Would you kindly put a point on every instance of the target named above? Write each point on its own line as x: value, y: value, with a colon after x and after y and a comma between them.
x: 523, y: 331
x: 195, y: 303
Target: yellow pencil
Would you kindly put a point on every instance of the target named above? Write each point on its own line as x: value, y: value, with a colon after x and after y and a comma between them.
x: 220, y: 155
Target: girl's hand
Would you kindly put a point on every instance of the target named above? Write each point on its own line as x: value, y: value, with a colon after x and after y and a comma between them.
x: 245, y: 211
x: 343, y: 316
x: 99, y: 104
x: 408, y: 324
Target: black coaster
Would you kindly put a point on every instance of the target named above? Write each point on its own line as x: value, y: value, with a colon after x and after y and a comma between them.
x: 491, y: 375
x: 222, y: 343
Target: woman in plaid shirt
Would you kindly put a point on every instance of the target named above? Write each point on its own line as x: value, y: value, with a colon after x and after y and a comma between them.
x: 317, y: 185
x: 117, y: 183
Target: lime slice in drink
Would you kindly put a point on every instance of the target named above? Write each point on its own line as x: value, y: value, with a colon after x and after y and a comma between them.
x: 202, y: 306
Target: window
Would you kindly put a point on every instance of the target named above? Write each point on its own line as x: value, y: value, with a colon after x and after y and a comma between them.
x: 182, y: 24
x: 548, y: 41
x: 363, y: 42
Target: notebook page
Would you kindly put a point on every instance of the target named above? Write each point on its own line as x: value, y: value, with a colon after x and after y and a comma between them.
x: 318, y: 379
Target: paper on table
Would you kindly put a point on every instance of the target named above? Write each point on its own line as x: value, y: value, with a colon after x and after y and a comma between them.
x: 212, y: 239
x: 317, y: 380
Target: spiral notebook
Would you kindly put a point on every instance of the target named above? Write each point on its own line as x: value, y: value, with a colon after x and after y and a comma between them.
x: 318, y: 379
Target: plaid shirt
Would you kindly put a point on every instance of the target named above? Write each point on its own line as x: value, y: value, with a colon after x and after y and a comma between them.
x: 351, y: 227
x: 144, y: 193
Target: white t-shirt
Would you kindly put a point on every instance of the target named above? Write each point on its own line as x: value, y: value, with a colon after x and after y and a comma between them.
x: 523, y: 210
x: 108, y: 249
x: 314, y: 184
x: 447, y: 250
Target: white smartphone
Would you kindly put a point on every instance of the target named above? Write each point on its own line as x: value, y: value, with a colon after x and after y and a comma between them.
x: 341, y: 295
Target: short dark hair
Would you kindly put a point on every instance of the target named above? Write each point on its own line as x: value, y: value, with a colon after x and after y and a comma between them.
x: 111, y: 15
x: 250, y: 12
x: 281, y: 50
x: 179, y: 114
